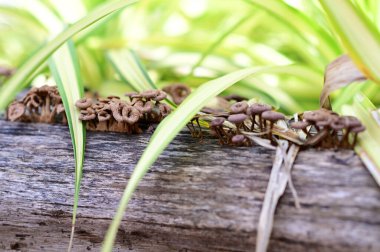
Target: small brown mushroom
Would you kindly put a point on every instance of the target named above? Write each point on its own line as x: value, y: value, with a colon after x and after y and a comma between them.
x: 235, y: 97
x: 239, y: 107
x: 216, y: 126
x: 240, y: 140
x: 272, y: 117
x: 160, y: 96
x: 257, y: 109
x: 130, y: 114
x: 356, y: 131
x: 164, y: 109
x: 150, y: 94
x: 178, y: 92
x: 238, y: 120
x: 15, y: 111
x: 83, y: 103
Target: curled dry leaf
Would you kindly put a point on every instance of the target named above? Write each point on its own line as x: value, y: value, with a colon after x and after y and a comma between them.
x: 339, y: 73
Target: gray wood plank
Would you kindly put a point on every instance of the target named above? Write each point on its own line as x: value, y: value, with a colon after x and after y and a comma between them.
x: 198, y: 196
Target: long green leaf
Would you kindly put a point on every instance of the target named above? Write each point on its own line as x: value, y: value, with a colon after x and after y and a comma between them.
x: 368, y: 147
x: 130, y: 69
x: 359, y: 36
x: 168, y: 129
x: 64, y: 66
x: 20, y: 79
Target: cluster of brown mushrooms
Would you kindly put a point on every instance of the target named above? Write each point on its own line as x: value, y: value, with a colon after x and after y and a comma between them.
x: 326, y: 129
x: 256, y: 117
x: 42, y: 104
x: 113, y: 114
x: 177, y: 92
x: 320, y: 128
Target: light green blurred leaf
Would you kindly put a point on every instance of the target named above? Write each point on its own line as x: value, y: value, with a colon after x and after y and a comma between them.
x: 358, y: 34
x: 130, y: 70
x: 23, y: 74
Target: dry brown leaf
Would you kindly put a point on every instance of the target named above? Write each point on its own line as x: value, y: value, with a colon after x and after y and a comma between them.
x: 339, y: 73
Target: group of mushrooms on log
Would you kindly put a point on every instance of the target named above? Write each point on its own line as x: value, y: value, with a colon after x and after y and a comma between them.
x: 114, y: 114
x: 320, y: 128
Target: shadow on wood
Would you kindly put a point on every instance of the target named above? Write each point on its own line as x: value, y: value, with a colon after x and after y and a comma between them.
x: 197, y: 196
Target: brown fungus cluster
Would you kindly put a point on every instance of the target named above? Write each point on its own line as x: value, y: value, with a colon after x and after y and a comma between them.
x: 42, y: 105
x: 326, y: 129
x: 113, y: 114
x: 256, y: 117
x: 178, y: 92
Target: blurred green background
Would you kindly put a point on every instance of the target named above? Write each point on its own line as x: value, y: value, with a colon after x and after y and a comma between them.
x: 192, y: 41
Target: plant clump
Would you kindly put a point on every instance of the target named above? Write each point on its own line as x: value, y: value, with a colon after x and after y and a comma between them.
x: 142, y: 111
x: 326, y: 129
x: 41, y: 105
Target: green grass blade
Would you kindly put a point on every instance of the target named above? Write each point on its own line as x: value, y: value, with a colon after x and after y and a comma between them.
x: 359, y: 36
x: 64, y: 66
x: 22, y: 76
x: 168, y: 129
x: 130, y: 70
x: 368, y: 147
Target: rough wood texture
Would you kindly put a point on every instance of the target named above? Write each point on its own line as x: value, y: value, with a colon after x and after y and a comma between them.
x: 197, y: 197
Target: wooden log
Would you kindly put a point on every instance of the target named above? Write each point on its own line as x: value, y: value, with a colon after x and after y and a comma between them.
x: 198, y: 196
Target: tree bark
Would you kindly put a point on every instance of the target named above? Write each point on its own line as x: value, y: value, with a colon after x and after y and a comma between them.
x: 198, y: 196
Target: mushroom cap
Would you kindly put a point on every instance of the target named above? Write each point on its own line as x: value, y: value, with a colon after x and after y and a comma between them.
x: 161, y: 95
x: 139, y: 105
x: 358, y: 129
x: 237, y: 118
x: 329, y: 119
x: 131, y: 94
x: 350, y: 121
x: 178, y: 92
x: 111, y: 97
x: 15, y: 111
x: 164, y: 109
x: 316, y: 115
x: 103, y: 116
x: 83, y: 103
x: 86, y: 116
x: 239, y: 107
x: 217, y: 122
x: 258, y: 108
x: 238, y: 138
x: 337, y: 125
x: 130, y: 114
x: 150, y: 94
x: 272, y: 116
x: 116, y: 108
x: 300, y: 125
x: 32, y: 100
x: 235, y: 97
x: 148, y: 107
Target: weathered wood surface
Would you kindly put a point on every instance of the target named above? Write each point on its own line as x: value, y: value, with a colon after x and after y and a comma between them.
x: 197, y: 197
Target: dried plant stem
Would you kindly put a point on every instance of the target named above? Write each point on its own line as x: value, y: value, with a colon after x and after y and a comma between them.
x: 276, y: 187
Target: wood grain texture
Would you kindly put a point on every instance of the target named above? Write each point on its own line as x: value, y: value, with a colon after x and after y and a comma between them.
x: 197, y: 197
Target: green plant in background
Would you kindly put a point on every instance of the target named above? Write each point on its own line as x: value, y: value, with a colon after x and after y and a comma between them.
x: 195, y: 41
